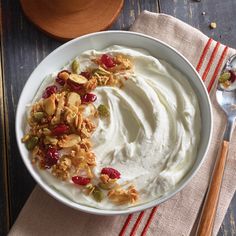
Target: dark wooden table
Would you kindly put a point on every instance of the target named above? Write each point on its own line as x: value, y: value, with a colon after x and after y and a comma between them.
x: 23, y: 47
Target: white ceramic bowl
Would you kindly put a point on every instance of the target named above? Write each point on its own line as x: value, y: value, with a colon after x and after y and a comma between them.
x: 55, y: 60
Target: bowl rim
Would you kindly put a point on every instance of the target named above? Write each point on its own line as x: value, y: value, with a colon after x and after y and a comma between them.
x: 98, y: 211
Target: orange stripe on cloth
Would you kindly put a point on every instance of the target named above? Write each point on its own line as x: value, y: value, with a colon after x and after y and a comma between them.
x: 137, y: 223
x: 204, y: 53
x: 126, y: 224
x: 149, y: 221
x: 213, y: 55
x: 213, y: 78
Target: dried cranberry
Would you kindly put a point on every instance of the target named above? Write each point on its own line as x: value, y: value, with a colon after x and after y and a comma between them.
x: 81, y: 180
x: 51, y: 157
x: 88, y: 97
x: 49, y: 91
x: 107, y: 61
x: 111, y: 172
x: 86, y: 74
x: 232, y: 76
x: 60, y: 81
x: 60, y: 129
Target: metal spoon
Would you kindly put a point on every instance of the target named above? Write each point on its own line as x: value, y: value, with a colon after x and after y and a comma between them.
x: 226, y: 98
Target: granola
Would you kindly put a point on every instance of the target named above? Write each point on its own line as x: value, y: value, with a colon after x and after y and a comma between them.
x: 227, y: 79
x: 60, y: 130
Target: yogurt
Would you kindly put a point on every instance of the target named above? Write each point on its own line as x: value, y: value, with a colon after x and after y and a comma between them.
x: 152, y: 133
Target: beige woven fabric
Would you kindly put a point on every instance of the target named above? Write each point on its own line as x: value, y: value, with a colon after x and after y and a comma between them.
x: 43, y: 215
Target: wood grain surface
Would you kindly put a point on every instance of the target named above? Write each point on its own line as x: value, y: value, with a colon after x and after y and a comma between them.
x: 4, y: 210
x: 24, y: 46
x: 192, y: 12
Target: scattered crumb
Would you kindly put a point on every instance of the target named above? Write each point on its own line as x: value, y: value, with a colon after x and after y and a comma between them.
x: 213, y: 25
x: 203, y: 13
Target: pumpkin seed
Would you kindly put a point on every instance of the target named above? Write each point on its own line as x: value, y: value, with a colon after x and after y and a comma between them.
x: 38, y: 116
x: 98, y: 194
x: 103, y: 111
x: 32, y: 142
x: 50, y: 140
x: 224, y: 77
x: 75, y: 67
x: 101, y: 71
x: 25, y: 138
x: 106, y: 186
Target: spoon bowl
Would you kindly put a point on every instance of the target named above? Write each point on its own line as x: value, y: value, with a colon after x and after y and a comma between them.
x: 226, y: 98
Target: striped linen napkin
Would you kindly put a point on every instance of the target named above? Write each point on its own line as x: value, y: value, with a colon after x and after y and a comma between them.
x: 42, y: 215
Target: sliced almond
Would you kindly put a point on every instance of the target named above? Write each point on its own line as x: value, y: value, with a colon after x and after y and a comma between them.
x: 78, y: 79
x: 69, y: 141
x: 70, y: 114
x: 73, y: 99
x: 78, y: 121
x: 49, y: 105
x: 59, y: 109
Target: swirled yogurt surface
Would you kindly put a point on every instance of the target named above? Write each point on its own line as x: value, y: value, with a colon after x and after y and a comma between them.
x: 152, y: 133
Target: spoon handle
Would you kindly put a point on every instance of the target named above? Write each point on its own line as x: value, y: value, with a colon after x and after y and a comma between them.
x: 207, y: 218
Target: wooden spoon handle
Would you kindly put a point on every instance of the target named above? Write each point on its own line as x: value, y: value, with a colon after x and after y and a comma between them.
x: 206, y: 222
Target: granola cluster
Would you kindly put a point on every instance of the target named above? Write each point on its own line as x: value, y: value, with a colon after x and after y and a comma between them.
x: 227, y: 78
x: 62, y: 122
